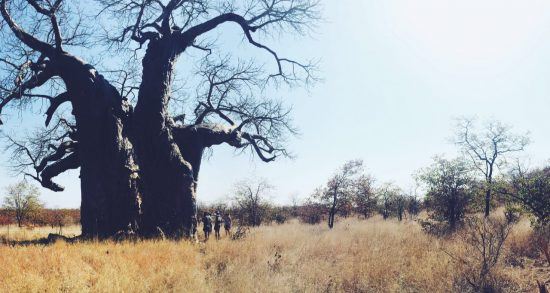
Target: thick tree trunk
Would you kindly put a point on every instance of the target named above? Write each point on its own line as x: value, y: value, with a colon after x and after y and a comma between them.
x: 109, y: 178
x: 192, y: 140
x: 168, y: 181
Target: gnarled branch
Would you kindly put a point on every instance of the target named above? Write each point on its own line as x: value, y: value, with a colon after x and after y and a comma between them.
x: 22, y: 35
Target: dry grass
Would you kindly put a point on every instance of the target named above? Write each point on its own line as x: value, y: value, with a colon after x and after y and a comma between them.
x: 357, y: 256
x: 13, y: 232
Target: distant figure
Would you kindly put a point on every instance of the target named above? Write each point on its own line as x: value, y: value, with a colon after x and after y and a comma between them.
x: 207, y: 225
x: 227, y: 224
x: 217, y: 224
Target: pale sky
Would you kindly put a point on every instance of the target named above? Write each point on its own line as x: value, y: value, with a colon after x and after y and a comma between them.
x: 395, y: 74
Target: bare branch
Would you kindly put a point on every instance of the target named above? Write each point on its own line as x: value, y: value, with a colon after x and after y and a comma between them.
x: 22, y: 35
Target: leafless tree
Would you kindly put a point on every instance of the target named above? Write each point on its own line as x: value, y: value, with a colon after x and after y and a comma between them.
x: 488, y: 149
x: 170, y: 154
x: 484, y: 239
x: 139, y: 168
x: 251, y: 200
x: 36, y: 66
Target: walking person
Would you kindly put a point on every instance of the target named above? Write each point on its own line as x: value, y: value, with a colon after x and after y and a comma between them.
x: 227, y: 224
x: 217, y: 225
x: 207, y: 225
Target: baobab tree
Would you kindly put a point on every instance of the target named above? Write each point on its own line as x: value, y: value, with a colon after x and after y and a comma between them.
x: 167, y: 30
x: 139, y: 168
x: 35, y: 65
x: 488, y: 149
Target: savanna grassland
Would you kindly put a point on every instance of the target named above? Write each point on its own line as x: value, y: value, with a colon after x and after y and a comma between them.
x: 356, y: 256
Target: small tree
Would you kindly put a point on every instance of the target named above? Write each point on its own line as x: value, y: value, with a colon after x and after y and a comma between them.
x: 449, y: 190
x: 338, y: 192
x: 488, y: 149
x: 532, y: 191
x: 311, y: 212
x: 400, y: 204
x: 294, y: 204
x: 365, y: 198
x: 251, y: 201
x: 22, y: 200
x: 387, y: 194
x: 414, y: 204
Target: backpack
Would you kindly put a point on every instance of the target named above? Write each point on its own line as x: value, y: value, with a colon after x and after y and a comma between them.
x: 207, y: 220
x: 218, y: 220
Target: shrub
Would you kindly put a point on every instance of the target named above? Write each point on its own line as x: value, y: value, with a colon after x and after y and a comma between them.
x: 449, y: 184
x: 311, y: 213
x: 483, y: 241
x: 541, y: 239
x: 280, y: 218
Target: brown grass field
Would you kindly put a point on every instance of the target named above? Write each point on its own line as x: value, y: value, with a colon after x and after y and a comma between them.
x: 356, y: 256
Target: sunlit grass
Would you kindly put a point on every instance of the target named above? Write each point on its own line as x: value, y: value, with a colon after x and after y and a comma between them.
x: 13, y: 232
x: 356, y: 256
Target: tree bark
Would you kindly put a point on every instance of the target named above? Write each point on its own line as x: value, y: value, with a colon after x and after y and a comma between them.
x: 109, y: 178
x: 331, y: 218
x: 168, y: 181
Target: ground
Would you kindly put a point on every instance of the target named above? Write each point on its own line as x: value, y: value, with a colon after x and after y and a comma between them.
x: 356, y: 256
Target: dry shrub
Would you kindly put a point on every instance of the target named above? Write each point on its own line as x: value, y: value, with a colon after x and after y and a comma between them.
x: 478, y: 257
x: 541, y: 239
x: 529, y: 245
x: 240, y: 233
x: 311, y: 213
x: 439, y: 229
x: 520, y: 245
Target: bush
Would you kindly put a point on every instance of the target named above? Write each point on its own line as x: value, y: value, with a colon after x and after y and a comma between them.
x: 250, y: 202
x: 531, y: 190
x: 434, y: 228
x: 450, y: 188
x: 311, y: 213
x: 483, y: 240
x: 280, y: 218
x: 541, y: 239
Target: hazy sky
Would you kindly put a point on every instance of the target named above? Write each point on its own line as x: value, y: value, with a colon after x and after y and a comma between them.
x: 395, y: 73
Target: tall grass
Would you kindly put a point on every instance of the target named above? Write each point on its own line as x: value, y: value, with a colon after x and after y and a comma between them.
x: 356, y: 256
